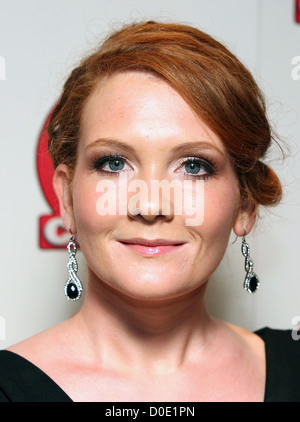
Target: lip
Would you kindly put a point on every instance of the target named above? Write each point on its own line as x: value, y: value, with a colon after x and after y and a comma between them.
x: 152, y: 246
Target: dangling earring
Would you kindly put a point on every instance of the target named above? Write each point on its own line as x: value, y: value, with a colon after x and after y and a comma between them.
x: 251, y: 283
x: 73, y: 286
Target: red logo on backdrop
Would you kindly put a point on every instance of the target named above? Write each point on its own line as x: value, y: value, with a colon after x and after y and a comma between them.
x: 297, y: 10
x: 52, y: 232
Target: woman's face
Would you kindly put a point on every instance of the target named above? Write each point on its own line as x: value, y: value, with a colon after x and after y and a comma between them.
x: 136, y: 130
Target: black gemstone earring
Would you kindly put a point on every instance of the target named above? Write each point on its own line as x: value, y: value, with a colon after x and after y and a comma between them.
x: 251, y: 282
x: 73, y: 286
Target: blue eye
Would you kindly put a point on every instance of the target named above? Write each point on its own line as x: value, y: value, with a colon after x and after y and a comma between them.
x: 192, y: 167
x: 115, y: 164
x: 199, y: 167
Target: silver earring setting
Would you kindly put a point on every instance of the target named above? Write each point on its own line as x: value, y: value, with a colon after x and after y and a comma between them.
x: 251, y: 282
x: 73, y: 286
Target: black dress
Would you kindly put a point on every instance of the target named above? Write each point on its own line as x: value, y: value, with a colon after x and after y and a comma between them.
x: 21, y: 381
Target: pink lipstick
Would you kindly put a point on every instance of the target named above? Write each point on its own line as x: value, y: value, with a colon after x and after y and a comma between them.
x: 153, y: 246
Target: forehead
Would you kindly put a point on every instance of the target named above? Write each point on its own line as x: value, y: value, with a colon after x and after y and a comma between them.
x: 139, y: 107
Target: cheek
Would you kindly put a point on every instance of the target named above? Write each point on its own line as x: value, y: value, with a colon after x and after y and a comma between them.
x: 89, y: 207
x: 220, y: 209
x: 84, y: 203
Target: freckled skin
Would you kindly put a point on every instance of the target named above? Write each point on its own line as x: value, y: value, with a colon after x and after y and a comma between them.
x: 153, y: 119
x: 143, y: 331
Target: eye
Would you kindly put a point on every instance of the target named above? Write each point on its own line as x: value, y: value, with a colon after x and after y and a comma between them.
x: 116, y: 164
x: 198, y: 167
x: 109, y: 164
x: 193, y: 167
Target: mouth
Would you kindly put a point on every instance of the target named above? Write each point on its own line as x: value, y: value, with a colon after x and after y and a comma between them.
x: 152, y: 246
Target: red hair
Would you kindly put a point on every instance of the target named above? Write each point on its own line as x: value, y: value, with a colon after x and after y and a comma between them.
x: 206, y: 74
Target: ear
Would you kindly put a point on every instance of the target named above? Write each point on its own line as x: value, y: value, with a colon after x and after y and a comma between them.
x: 62, y: 185
x: 244, y: 221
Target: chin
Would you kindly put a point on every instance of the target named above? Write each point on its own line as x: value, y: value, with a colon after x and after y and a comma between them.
x: 149, y: 287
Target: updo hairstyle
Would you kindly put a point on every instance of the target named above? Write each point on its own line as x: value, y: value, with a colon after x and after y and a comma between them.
x: 216, y: 85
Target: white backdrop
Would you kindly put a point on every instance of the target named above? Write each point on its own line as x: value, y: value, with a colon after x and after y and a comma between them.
x: 39, y: 43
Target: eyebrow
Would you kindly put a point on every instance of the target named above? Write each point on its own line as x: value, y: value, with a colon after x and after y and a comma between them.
x: 198, y: 145
x: 110, y: 142
x: 107, y: 142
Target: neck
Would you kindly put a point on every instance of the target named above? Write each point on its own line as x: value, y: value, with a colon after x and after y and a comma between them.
x: 143, y: 333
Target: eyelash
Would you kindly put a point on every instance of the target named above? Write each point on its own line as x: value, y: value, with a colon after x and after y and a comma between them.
x: 207, y: 164
x: 98, y: 162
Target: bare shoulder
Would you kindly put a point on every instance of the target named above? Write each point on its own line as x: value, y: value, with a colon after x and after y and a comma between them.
x: 45, y: 348
x: 238, y: 355
x: 251, y: 344
x: 246, y: 335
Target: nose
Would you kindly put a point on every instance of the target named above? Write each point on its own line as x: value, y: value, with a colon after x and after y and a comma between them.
x: 153, y: 202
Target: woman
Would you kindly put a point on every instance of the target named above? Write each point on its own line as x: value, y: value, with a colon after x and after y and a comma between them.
x: 157, y: 102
